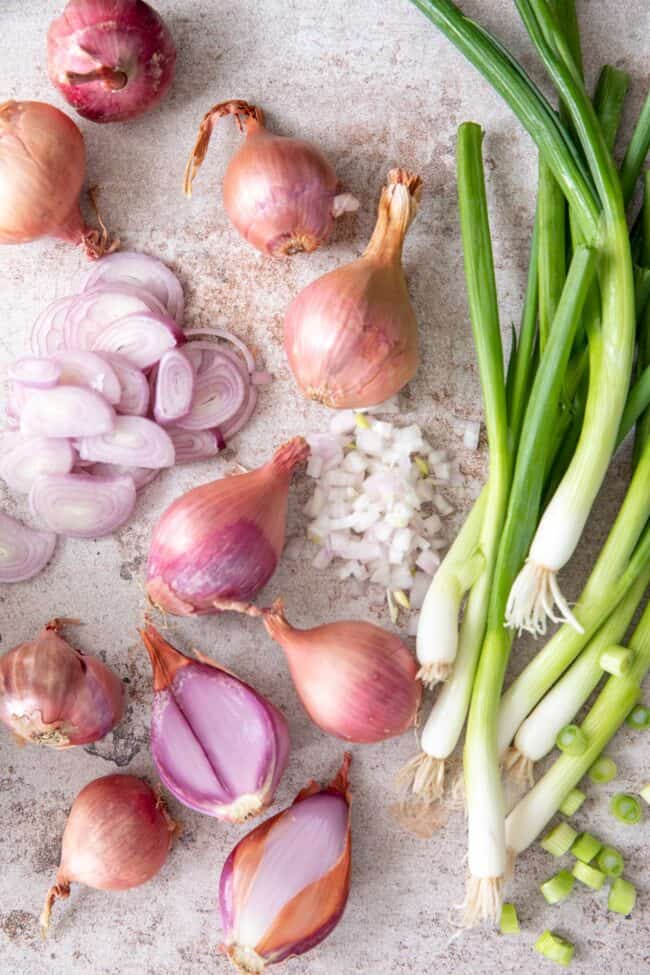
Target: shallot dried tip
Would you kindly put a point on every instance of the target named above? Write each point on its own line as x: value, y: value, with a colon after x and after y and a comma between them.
x: 236, y: 107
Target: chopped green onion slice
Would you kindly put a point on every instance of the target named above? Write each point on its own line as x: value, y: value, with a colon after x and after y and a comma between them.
x: 559, y: 840
x: 572, y: 802
x: 422, y: 466
x: 626, y: 808
x: 555, y: 948
x: 572, y: 740
x: 587, y: 875
x: 639, y: 717
x: 616, y: 660
x: 622, y: 896
x: 509, y: 923
x: 645, y: 793
x: 556, y: 888
x: 603, y: 770
x: 362, y: 421
x: 610, y: 861
x: 586, y: 847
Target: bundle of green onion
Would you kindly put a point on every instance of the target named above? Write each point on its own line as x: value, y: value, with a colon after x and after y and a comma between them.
x: 577, y: 382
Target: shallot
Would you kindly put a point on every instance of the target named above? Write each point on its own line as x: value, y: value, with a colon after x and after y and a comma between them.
x: 284, y: 887
x: 351, y: 336
x: 112, y: 60
x: 42, y: 169
x: 219, y: 746
x: 52, y: 694
x: 117, y: 836
x: 279, y: 192
x: 219, y: 543
x: 355, y: 680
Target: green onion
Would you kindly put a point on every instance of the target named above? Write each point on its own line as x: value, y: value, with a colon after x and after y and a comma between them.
x: 572, y: 740
x: 645, y: 793
x: 622, y: 896
x: 559, y: 840
x: 610, y: 862
x: 616, y: 660
x: 608, y: 101
x: 587, y: 875
x: 603, y: 770
x: 556, y: 888
x: 509, y: 923
x: 626, y: 808
x: 639, y: 717
x: 572, y: 802
x: 555, y: 948
x: 586, y: 847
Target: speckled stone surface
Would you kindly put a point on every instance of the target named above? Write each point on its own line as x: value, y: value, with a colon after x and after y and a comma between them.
x: 375, y: 85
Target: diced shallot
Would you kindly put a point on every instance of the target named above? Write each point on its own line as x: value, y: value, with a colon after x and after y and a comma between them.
x: 33, y: 456
x: 66, y: 411
x: 81, y: 505
x: 134, y: 441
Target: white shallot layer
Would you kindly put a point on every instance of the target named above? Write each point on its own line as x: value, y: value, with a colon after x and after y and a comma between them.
x: 377, y: 508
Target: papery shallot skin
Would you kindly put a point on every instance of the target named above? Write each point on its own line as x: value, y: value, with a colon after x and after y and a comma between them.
x: 221, y: 542
x: 127, y: 41
x: 285, y: 885
x: 219, y: 746
x: 356, y: 680
x: 52, y: 694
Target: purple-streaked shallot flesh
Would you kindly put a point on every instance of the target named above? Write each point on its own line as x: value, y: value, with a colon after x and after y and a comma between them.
x: 81, y: 505
x: 175, y: 387
x: 134, y: 441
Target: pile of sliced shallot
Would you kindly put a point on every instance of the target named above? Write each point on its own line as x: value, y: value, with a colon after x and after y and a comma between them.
x: 112, y: 392
x: 377, y: 505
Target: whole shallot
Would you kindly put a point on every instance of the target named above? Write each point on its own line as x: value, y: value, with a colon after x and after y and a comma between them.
x: 285, y: 885
x: 279, y: 192
x: 219, y: 544
x: 52, y: 694
x: 117, y: 836
x: 219, y: 746
x: 351, y: 336
x: 112, y: 60
x: 42, y: 169
x: 355, y: 680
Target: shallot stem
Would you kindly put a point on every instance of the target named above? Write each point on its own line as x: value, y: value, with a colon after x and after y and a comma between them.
x: 236, y: 107
x: 57, y: 891
x: 237, y: 606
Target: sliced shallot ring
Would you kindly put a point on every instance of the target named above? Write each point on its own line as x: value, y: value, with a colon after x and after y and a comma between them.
x: 191, y: 445
x: 66, y: 411
x: 235, y: 424
x: 23, y: 551
x: 35, y: 371
x: 83, y: 368
x: 135, y: 387
x: 174, y: 387
x: 219, y: 394
x: 93, y: 311
x: 80, y: 505
x: 141, y: 338
x: 141, y: 476
x: 134, y: 441
x: 141, y: 271
x: 47, y: 335
x: 220, y: 333
x: 33, y: 456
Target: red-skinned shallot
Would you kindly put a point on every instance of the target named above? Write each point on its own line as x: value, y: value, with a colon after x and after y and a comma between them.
x: 351, y: 336
x: 355, y: 680
x: 112, y: 60
x: 219, y: 544
x: 279, y: 192
x: 284, y: 887
x: 52, y: 694
x: 117, y: 836
x: 42, y: 169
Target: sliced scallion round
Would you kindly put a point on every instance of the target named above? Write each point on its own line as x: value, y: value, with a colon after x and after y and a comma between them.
x: 572, y: 802
x: 610, y: 862
x: 586, y: 847
x: 626, y: 808
x: 622, y: 896
x: 572, y: 740
x: 587, y: 875
x: 556, y: 888
x: 616, y: 660
x: 639, y: 717
x: 555, y: 948
x: 603, y: 770
x: 559, y: 840
x: 509, y: 923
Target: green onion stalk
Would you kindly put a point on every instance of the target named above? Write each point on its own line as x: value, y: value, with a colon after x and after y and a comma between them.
x: 424, y: 774
x: 536, y: 595
x: 615, y: 701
